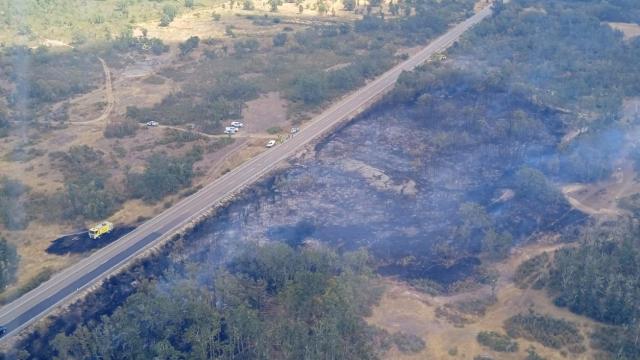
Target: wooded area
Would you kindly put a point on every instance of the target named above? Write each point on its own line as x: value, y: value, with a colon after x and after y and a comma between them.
x: 270, y: 302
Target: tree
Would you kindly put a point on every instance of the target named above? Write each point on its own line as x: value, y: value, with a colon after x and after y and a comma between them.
x: 189, y: 3
x: 531, y: 184
x: 310, y: 88
x: 169, y: 13
x: 274, y: 4
x: 496, y: 245
x: 248, y: 5
x: 349, y: 5
x: 8, y: 263
x: 165, y: 20
x: 189, y: 45
x: 163, y: 175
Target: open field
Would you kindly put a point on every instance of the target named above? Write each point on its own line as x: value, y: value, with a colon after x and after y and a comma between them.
x: 405, y: 309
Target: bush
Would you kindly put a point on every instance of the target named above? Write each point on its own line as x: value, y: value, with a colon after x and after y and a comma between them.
x: 86, y: 192
x: 189, y: 45
x: 274, y: 130
x: 531, y: 270
x: 163, y: 175
x: 280, y: 39
x: 244, y: 47
x: 496, y: 341
x: 549, y: 331
x: 173, y: 135
x: 8, y: 263
x: 248, y: 5
x: 120, y: 129
x: 408, y: 343
x: 13, y: 206
x: 310, y: 88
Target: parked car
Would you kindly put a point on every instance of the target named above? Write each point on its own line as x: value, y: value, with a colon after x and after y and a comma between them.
x: 152, y: 123
x: 230, y: 130
x: 271, y: 143
x: 294, y: 130
x: 3, y: 330
x: 237, y: 124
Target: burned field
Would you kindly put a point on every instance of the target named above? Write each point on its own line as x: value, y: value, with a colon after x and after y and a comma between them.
x: 393, y: 183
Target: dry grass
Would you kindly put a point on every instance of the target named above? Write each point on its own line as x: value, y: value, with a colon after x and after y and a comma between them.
x: 32, y: 244
x: 405, y: 309
x: 266, y: 111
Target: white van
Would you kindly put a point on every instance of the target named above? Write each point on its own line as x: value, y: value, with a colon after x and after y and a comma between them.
x: 230, y: 130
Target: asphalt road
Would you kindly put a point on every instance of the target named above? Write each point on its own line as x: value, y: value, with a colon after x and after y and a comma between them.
x: 42, y: 300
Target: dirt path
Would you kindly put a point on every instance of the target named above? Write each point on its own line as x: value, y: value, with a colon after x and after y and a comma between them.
x: 601, y: 198
x: 108, y: 86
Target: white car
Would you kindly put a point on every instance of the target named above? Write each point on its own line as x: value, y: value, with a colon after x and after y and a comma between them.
x: 230, y: 130
x: 271, y: 143
x: 152, y: 123
x: 294, y: 130
x: 237, y: 124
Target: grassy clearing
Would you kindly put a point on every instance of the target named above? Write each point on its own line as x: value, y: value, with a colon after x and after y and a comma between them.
x: 80, y: 21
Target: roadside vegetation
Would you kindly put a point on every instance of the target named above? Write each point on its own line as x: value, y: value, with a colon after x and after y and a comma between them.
x: 8, y: 263
x: 271, y: 301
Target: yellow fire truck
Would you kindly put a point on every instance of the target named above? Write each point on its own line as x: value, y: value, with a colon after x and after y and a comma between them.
x: 104, y: 227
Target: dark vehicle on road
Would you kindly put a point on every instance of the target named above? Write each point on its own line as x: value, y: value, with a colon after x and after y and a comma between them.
x: 3, y: 330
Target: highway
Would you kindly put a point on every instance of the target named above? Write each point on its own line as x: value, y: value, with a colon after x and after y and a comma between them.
x: 87, y: 272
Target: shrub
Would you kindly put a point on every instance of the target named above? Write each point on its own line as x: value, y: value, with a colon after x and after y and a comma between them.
x: 549, y: 331
x: 408, y: 343
x: 280, y: 39
x: 496, y: 341
x: 274, y: 130
x: 163, y: 175
x: 248, y: 5
x: 189, y: 45
x: 120, y: 129
x: 13, y: 207
x: 8, y: 263
x: 531, y: 270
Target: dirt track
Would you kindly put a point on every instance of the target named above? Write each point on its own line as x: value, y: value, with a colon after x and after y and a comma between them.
x: 108, y: 86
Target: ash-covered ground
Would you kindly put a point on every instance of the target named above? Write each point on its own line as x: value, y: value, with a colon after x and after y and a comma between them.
x: 380, y: 183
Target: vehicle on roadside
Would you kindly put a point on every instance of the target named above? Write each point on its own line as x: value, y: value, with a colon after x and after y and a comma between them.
x: 271, y: 143
x: 152, y: 123
x: 3, y: 330
x: 294, y: 130
x: 237, y: 124
x: 104, y: 227
x: 230, y: 130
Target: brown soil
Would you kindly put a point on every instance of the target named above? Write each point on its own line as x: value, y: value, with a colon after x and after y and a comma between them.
x: 629, y: 30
